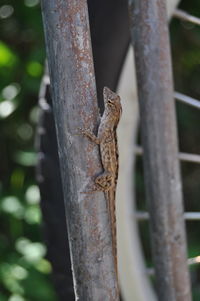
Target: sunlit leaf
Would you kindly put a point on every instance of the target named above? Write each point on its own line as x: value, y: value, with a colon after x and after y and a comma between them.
x: 32, y: 251
x: 32, y: 194
x: 7, y: 107
x: 34, y: 114
x: 10, y: 282
x: 6, y: 11
x: 33, y: 215
x: 34, y: 69
x: 12, y: 205
x: 25, y: 158
x: 16, y: 298
x: 7, y: 57
x: 11, y: 91
x: 13, y: 285
x: 31, y: 3
x: 25, y: 131
x: 44, y: 266
x: 21, y: 243
x: 18, y: 272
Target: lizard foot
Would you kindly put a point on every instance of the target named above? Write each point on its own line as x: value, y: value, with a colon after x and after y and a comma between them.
x: 104, y: 182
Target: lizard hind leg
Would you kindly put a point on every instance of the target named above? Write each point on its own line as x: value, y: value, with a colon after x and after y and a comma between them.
x: 104, y: 182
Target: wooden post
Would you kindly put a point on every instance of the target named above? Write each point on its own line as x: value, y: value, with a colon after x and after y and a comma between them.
x: 73, y: 87
x: 159, y: 137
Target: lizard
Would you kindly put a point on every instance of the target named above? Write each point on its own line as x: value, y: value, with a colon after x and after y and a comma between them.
x: 107, y: 140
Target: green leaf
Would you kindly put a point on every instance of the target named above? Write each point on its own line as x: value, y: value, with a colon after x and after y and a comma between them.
x: 12, y: 205
x: 33, y: 215
x: 33, y: 252
x: 25, y: 158
x: 16, y: 298
x: 31, y: 3
x: 7, y: 107
x: 32, y: 194
x: 7, y: 57
x: 34, y: 69
x: 44, y: 266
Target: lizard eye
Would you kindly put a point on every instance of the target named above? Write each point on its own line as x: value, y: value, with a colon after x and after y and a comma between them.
x: 110, y: 102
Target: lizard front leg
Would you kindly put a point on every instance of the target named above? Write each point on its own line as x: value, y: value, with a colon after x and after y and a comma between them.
x: 105, y: 181
x: 90, y: 135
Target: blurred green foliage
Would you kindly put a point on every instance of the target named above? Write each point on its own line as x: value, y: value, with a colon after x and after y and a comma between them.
x: 24, y: 271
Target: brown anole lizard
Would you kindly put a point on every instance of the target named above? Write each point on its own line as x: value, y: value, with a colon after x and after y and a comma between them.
x: 107, y: 140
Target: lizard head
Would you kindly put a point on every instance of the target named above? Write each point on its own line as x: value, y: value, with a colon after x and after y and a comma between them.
x: 112, y: 102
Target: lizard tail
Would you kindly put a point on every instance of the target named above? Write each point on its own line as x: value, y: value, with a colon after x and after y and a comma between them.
x: 110, y: 195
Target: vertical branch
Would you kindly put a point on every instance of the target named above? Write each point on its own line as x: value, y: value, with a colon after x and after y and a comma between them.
x: 70, y: 62
x: 159, y: 136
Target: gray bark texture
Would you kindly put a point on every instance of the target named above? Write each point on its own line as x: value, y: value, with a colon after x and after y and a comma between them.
x: 149, y: 31
x: 75, y: 106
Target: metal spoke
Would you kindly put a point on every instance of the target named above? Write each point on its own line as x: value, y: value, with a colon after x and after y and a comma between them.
x: 186, y: 17
x: 189, y: 216
x: 182, y: 156
x: 190, y: 261
x: 187, y: 100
